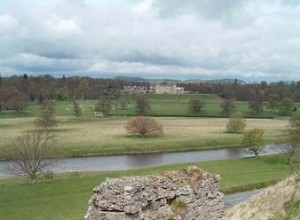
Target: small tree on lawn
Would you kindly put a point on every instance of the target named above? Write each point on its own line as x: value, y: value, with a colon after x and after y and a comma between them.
x: 256, y: 103
x: 142, y: 105
x: 77, y: 109
x: 273, y: 102
x: 30, y: 152
x: 253, y: 139
x: 122, y: 102
x: 103, y: 105
x: 144, y: 126
x: 46, y: 118
x: 227, y: 106
x: 196, y: 105
x: 236, y: 124
x: 82, y: 89
x: 286, y: 105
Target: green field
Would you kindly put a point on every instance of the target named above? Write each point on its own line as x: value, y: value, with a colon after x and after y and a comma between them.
x: 108, y: 135
x: 65, y: 197
x: 161, y: 105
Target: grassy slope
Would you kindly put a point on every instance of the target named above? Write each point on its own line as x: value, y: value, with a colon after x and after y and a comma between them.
x: 65, y: 197
x: 278, y: 202
x: 108, y: 136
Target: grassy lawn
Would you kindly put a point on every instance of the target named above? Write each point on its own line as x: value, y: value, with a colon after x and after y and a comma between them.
x: 161, y: 105
x: 108, y: 135
x: 65, y: 197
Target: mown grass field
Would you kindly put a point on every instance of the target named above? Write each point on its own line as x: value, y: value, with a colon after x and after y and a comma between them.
x: 108, y: 135
x: 65, y: 197
x: 161, y: 105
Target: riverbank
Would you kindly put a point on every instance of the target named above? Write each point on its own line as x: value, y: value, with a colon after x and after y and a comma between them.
x: 121, y: 162
x: 65, y: 196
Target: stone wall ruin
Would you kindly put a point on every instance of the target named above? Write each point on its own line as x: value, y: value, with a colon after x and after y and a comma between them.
x: 187, y: 194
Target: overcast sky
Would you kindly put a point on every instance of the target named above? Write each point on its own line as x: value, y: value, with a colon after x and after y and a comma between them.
x: 252, y: 40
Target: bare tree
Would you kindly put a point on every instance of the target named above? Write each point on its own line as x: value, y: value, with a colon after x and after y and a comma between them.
x: 30, y: 152
x: 144, y: 126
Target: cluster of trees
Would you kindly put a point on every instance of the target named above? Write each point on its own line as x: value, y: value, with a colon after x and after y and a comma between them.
x: 253, y: 139
x: 16, y: 91
x: 39, y: 88
x: 48, y: 87
x: 246, y: 92
x: 11, y: 99
x: 105, y: 103
x: 196, y: 106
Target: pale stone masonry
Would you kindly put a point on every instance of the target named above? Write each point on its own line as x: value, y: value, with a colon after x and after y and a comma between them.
x: 153, y: 197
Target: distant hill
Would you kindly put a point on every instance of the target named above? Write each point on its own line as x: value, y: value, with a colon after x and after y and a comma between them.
x: 171, y: 81
x: 129, y: 78
x: 140, y: 79
x: 216, y: 81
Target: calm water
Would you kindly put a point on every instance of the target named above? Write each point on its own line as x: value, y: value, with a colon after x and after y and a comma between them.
x: 123, y: 162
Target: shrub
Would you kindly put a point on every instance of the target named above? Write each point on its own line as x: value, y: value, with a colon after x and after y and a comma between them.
x: 144, y: 126
x: 180, y: 208
x: 236, y: 124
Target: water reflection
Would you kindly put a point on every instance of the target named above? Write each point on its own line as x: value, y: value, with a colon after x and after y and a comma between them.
x: 235, y: 152
x: 144, y: 159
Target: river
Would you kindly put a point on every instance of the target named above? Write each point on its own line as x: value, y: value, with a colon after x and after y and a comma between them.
x: 124, y: 162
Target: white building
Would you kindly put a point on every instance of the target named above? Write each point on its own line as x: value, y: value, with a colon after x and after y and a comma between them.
x: 168, y: 89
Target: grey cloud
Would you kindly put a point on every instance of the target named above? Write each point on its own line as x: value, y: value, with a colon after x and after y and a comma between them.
x: 138, y: 56
x: 290, y: 3
x: 51, y: 49
x: 206, y: 8
x: 34, y: 63
x: 250, y: 38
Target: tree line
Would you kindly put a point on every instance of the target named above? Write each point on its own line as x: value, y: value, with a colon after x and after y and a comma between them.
x: 16, y: 91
